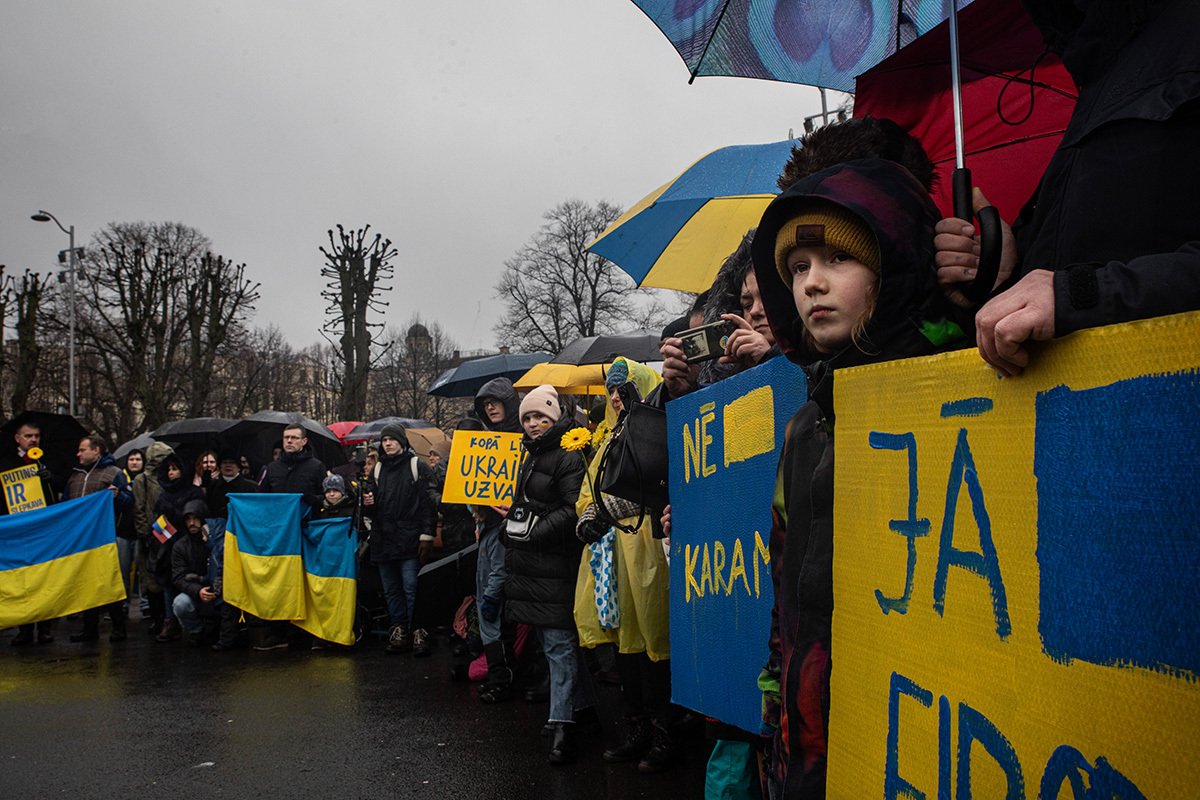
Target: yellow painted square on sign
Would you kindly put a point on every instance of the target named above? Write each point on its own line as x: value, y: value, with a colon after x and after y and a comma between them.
x: 750, y: 426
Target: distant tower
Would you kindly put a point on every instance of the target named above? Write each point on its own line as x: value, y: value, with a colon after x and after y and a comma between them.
x: 418, y: 339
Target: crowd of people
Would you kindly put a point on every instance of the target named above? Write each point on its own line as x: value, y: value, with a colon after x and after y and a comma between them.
x: 852, y: 264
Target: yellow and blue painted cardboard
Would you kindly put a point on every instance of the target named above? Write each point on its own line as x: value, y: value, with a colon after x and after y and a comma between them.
x: 1017, y: 572
x: 22, y: 489
x: 482, y: 468
x: 724, y: 444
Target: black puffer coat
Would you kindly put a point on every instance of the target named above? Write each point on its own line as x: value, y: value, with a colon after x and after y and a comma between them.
x: 540, y: 588
x: 403, y: 510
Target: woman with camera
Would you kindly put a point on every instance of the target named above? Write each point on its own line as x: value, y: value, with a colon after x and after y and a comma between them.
x: 542, y: 557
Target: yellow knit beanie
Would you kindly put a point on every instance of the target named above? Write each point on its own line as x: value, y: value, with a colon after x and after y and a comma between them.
x: 823, y: 224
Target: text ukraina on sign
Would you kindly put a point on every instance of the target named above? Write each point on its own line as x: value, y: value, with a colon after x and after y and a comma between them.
x: 482, y: 468
x: 724, y: 444
x: 1016, y: 608
x: 22, y: 489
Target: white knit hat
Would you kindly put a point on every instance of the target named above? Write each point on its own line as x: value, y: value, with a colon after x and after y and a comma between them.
x: 544, y: 400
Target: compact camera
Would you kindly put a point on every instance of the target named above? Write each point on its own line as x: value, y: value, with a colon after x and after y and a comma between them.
x: 706, y: 342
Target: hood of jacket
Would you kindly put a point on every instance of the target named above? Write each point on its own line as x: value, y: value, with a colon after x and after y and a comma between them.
x: 911, y: 316
x: 501, y: 389
x: 155, y: 454
x: 641, y: 376
x: 185, y: 470
x: 196, y: 507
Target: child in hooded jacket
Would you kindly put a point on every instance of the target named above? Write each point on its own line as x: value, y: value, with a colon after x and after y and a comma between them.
x: 844, y: 261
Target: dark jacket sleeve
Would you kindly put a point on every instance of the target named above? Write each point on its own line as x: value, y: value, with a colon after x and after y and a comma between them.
x: 1090, y: 295
x: 181, y: 570
x: 426, y: 502
x: 123, y: 501
x: 557, y: 526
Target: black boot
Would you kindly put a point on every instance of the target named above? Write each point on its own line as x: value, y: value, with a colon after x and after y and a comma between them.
x: 637, y: 742
x: 664, y: 751
x: 499, y: 686
x: 563, y: 747
x: 539, y: 693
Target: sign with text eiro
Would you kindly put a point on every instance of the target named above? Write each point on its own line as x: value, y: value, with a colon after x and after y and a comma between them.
x: 22, y: 489
x: 724, y: 443
x: 1016, y: 590
x: 482, y: 468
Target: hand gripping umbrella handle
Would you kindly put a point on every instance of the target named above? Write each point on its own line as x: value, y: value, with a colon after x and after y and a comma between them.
x: 990, y: 241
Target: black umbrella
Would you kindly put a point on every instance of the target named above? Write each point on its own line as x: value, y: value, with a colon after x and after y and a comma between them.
x: 369, y: 431
x: 257, y: 434
x: 203, y: 431
x: 637, y: 346
x: 442, y: 585
x: 139, y: 442
x: 469, y: 377
x: 60, y: 440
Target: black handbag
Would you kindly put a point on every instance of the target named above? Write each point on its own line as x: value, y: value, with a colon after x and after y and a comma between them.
x: 634, y: 466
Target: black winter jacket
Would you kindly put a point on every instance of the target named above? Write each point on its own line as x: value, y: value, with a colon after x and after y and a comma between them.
x: 540, y: 587
x: 189, y: 564
x: 173, y: 496
x: 1117, y: 214
x: 220, y: 489
x: 297, y: 473
x: 402, y: 511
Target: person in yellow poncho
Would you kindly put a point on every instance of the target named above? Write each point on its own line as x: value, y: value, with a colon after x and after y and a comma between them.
x: 633, y: 614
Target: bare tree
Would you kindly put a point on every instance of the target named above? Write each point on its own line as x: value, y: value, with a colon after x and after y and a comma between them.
x: 219, y: 299
x: 27, y: 293
x: 356, y: 271
x: 419, y: 353
x: 554, y: 291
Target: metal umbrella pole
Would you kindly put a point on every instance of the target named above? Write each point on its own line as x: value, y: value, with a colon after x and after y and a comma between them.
x: 990, y: 242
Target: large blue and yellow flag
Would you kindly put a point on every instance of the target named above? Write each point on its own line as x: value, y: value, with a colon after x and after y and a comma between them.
x: 58, y: 560
x: 264, y: 572
x: 330, y: 580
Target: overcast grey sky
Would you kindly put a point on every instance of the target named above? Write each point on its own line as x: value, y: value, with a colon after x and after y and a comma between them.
x: 449, y: 126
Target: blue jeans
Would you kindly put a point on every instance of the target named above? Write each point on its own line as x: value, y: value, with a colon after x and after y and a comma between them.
x: 568, y: 686
x: 192, y: 613
x: 489, y: 579
x: 399, y: 579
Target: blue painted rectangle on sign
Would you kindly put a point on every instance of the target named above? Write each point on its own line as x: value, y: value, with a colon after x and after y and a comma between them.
x: 1119, y: 525
x: 724, y: 443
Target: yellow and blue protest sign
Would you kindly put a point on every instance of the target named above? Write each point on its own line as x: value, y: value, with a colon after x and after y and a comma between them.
x: 482, y: 468
x: 58, y: 560
x: 22, y: 488
x: 724, y: 444
x: 328, y: 549
x: 1017, y: 572
x: 264, y: 570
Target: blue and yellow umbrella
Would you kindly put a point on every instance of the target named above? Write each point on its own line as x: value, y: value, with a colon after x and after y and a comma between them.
x: 678, y: 236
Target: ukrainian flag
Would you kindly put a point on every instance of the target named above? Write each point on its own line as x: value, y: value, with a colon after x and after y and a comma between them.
x: 264, y: 570
x: 58, y: 560
x: 330, y: 580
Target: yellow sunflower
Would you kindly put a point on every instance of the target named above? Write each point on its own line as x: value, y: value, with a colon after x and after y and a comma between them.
x: 34, y: 452
x: 601, y: 433
x: 575, y: 439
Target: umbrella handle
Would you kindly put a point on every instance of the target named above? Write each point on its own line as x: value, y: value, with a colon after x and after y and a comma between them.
x: 990, y: 240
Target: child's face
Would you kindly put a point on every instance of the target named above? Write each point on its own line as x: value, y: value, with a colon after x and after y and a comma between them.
x: 333, y: 497
x: 834, y: 293
x: 536, y: 424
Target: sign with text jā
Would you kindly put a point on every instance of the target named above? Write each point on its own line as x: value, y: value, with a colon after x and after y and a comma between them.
x: 482, y: 468
x: 724, y: 444
x: 1016, y: 602
x: 22, y: 489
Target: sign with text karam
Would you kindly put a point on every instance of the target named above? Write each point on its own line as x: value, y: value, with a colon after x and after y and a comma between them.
x: 1016, y: 590
x: 482, y: 468
x: 724, y: 444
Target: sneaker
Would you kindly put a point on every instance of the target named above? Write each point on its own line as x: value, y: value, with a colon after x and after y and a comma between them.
x: 664, y: 753
x: 420, y: 643
x: 398, y: 640
x: 272, y: 642
x: 638, y: 738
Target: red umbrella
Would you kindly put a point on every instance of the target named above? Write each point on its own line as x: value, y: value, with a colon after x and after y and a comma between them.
x: 340, y: 429
x: 998, y: 40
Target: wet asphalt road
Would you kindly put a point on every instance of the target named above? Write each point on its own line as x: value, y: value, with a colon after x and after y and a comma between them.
x: 142, y: 719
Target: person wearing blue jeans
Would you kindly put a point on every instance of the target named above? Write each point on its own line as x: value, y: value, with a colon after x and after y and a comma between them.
x: 404, y: 518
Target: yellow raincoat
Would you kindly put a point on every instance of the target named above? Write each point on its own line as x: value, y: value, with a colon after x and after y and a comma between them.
x: 640, y: 563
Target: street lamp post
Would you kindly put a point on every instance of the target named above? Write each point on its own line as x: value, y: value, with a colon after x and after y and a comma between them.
x: 46, y: 216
